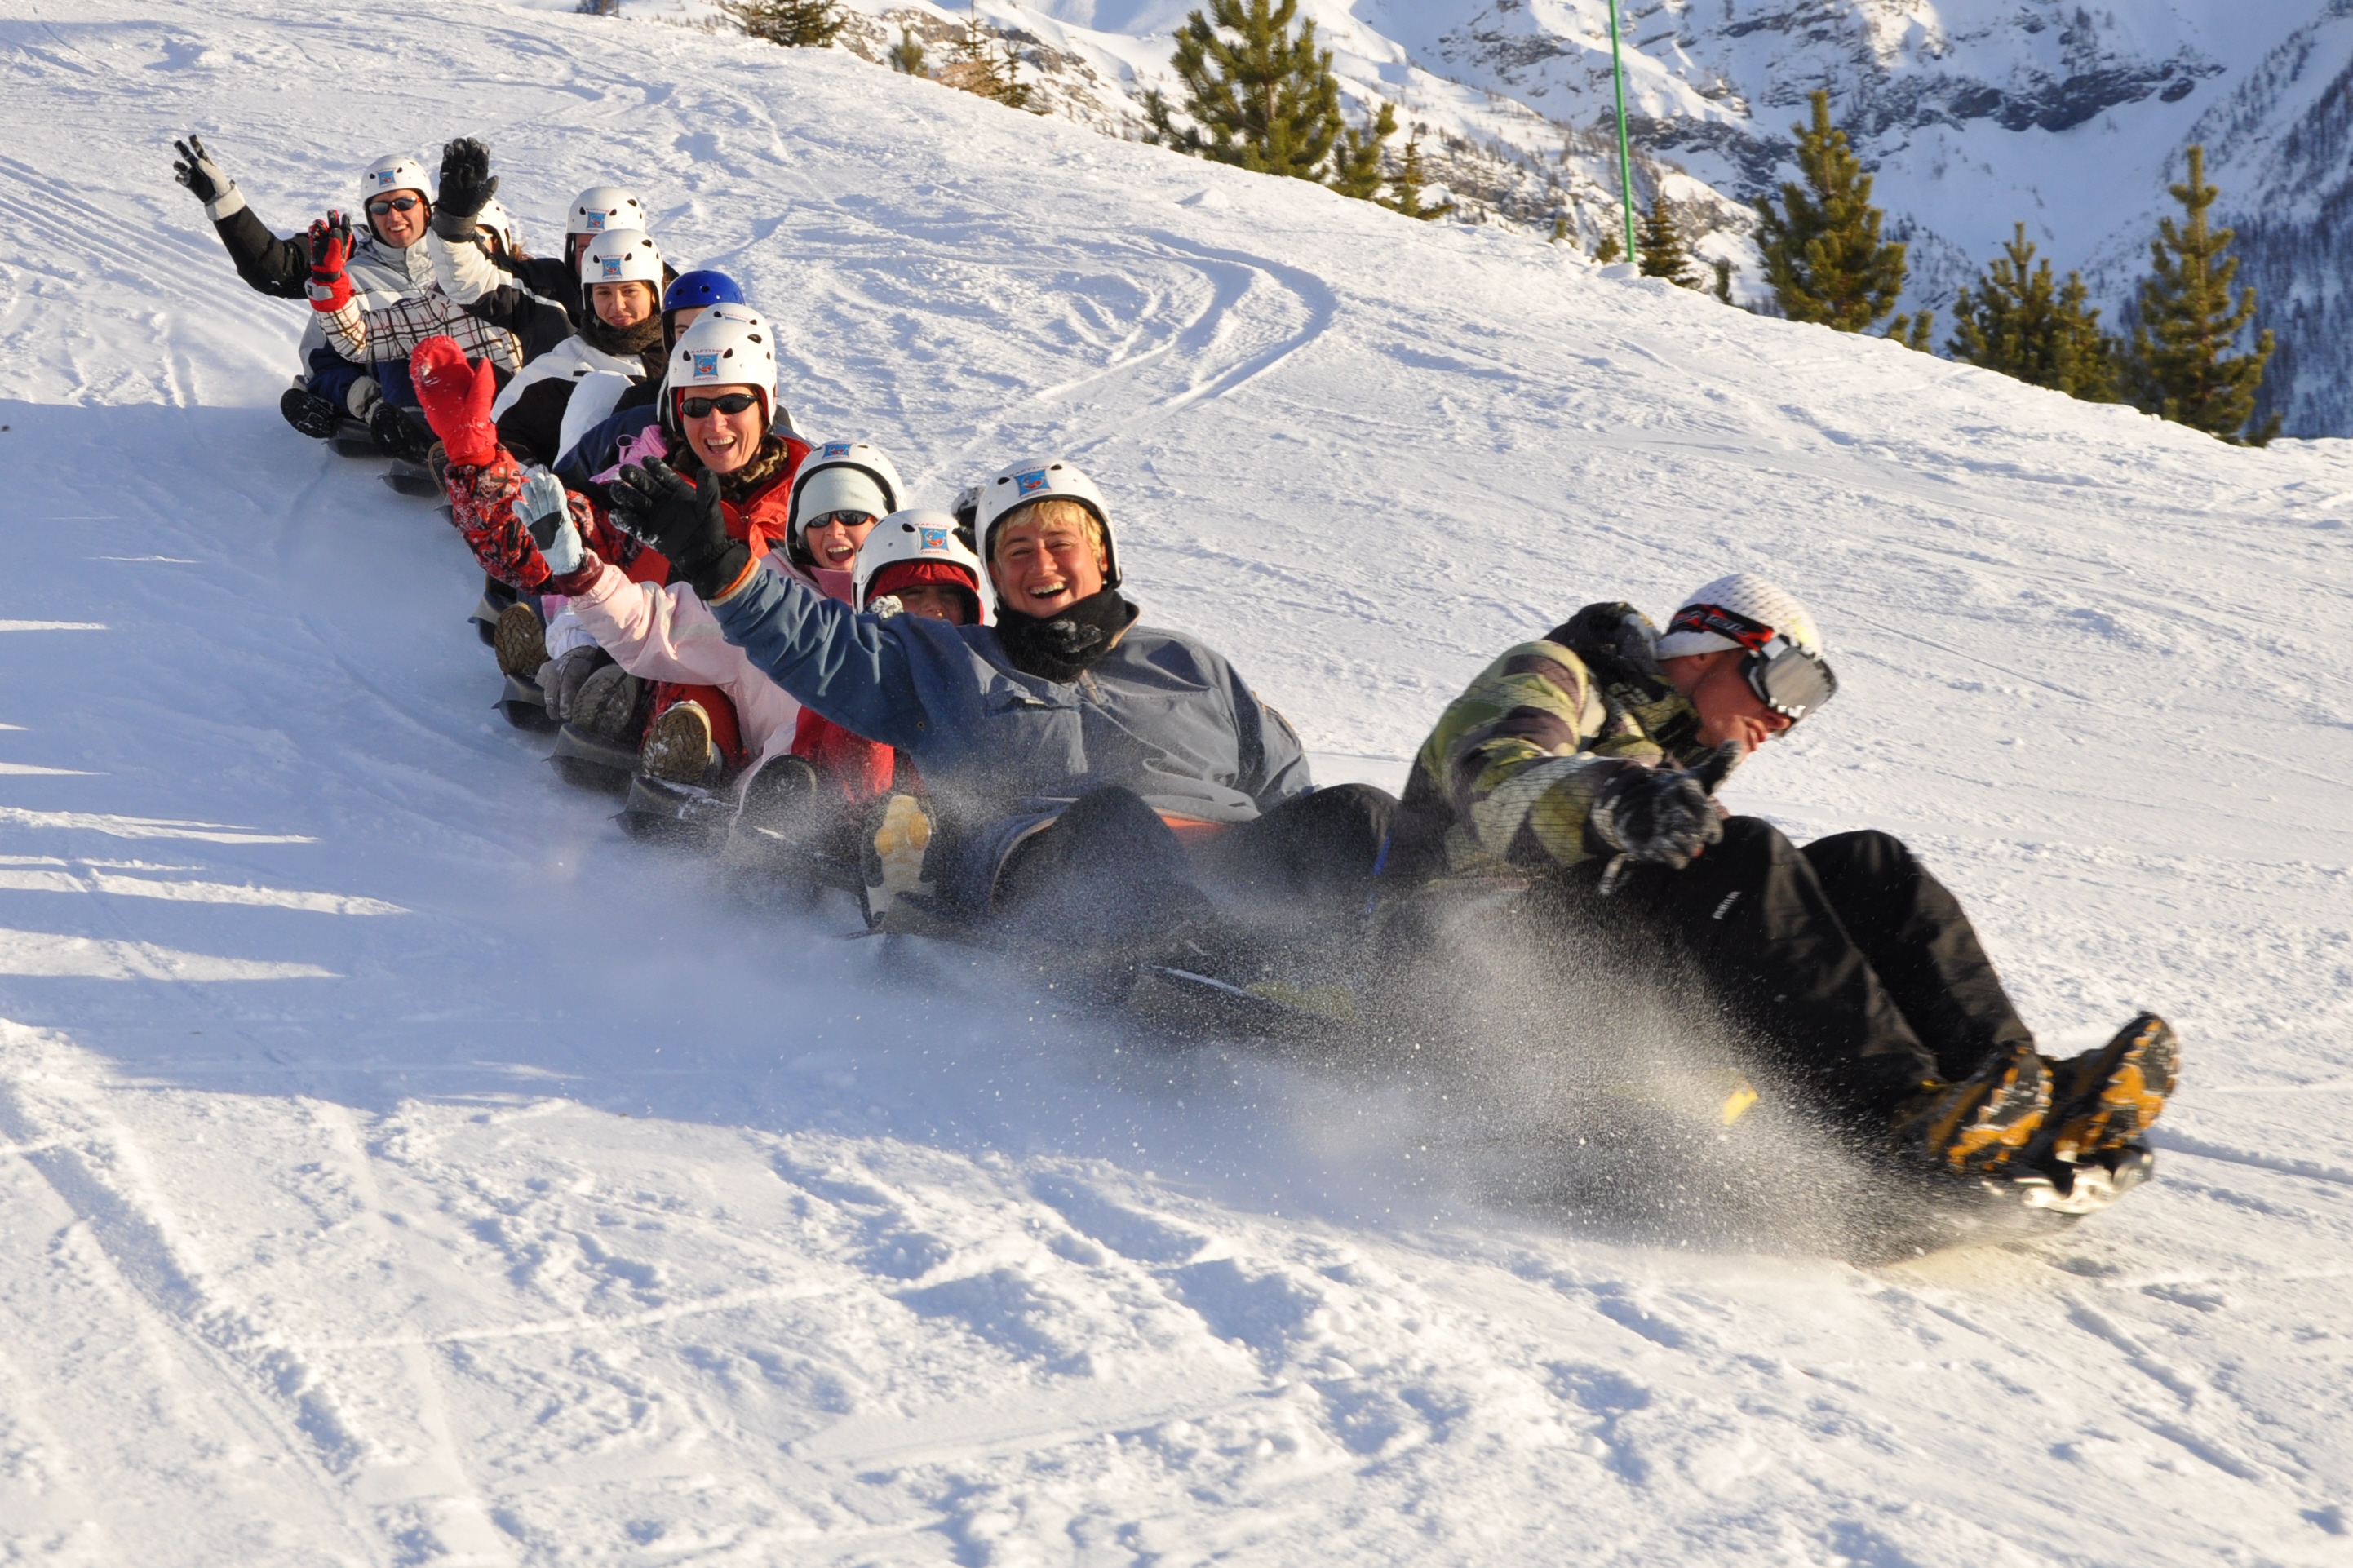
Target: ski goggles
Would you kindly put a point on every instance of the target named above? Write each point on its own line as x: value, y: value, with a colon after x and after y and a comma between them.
x: 1790, y: 679
x: 728, y: 402
x: 391, y: 205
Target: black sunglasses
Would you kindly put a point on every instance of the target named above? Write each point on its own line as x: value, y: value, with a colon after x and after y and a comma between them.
x: 391, y: 205
x: 703, y: 407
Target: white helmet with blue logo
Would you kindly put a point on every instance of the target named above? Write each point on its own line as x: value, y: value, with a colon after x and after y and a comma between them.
x: 495, y: 218
x: 1047, y: 478
x: 842, y: 475
x: 918, y: 536
x: 600, y: 209
x: 729, y: 345
x: 623, y: 255
x: 394, y: 172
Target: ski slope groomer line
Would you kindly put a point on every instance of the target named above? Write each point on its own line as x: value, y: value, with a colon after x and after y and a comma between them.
x: 399, y: 1166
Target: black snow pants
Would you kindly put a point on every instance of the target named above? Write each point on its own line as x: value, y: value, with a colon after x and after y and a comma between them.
x: 1846, y: 962
x: 1110, y: 871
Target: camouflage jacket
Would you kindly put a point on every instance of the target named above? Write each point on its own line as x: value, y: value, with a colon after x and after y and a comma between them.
x: 1505, y: 783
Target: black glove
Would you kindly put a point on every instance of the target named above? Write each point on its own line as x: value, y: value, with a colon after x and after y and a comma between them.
x: 656, y: 504
x: 1659, y: 814
x: 466, y: 188
x: 196, y: 170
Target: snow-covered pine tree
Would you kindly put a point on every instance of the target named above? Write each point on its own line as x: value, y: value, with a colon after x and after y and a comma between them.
x: 1263, y: 97
x: 795, y: 23
x: 2181, y: 365
x: 1824, y: 258
x: 907, y: 54
x: 1410, y: 180
x: 1662, y: 251
x: 2018, y: 320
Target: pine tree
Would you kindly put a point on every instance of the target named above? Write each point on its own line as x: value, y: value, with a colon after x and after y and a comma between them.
x: 1265, y: 98
x: 1823, y: 256
x: 1607, y: 249
x: 1723, y: 289
x: 2182, y: 364
x: 986, y: 66
x: 1661, y: 252
x: 1559, y: 229
x: 1356, y: 166
x: 795, y: 23
x: 1411, y: 180
x: 2022, y: 323
x: 907, y: 54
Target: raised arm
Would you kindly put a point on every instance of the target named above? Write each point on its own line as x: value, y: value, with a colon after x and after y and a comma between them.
x: 849, y: 668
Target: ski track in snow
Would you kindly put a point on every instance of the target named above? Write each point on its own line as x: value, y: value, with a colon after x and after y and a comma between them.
x: 438, y: 1177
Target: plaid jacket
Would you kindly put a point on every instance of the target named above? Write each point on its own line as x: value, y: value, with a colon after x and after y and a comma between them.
x: 371, y: 335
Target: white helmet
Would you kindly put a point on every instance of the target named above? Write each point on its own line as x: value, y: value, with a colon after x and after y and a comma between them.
x: 1753, y: 598
x: 622, y: 256
x: 1046, y: 479
x: 928, y: 537
x: 393, y: 171
x: 729, y: 349
x: 602, y: 207
x: 495, y: 218
x: 842, y: 475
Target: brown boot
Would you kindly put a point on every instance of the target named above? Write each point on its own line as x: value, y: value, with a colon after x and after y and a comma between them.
x: 520, y: 641
x: 678, y: 749
x: 2106, y: 1098
x: 1982, y: 1125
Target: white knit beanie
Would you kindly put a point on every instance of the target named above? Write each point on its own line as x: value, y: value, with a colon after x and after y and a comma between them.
x: 840, y: 488
x: 1748, y: 595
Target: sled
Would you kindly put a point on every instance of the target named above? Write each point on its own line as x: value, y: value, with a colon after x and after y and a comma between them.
x: 412, y: 480
x: 588, y: 762
x: 524, y: 705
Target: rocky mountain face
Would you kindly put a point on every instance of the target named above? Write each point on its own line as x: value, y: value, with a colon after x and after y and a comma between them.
x: 1973, y: 114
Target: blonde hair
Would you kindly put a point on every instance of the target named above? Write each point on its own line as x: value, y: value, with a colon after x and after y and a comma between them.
x: 1047, y: 510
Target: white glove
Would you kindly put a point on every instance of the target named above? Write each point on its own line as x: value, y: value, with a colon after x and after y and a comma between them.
x: 546, y: 511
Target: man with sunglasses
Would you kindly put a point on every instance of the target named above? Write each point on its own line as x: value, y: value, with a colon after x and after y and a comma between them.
x: 1581, y: 768
x: 384, y: 263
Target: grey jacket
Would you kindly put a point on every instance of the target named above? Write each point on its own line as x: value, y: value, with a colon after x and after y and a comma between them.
x: 1159, y: 713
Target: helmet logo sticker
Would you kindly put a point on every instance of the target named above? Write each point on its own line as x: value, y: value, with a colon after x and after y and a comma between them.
x: 383, y: 177
x: 612, y: 266
x: 593, y: 224
x: 835, y: 450
x: 931, y: 539
x: 1030, y: 483
x: 706, y: 364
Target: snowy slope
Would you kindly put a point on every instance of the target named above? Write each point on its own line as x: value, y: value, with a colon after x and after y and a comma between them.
x: 399, y: 1167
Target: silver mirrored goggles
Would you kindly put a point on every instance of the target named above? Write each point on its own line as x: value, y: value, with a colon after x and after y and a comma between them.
x: 1790, y: 679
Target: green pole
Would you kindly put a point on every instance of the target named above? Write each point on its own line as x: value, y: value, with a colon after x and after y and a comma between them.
x: 1625, y: 150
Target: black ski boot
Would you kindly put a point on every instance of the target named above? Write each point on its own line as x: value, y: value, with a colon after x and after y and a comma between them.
x: 400, y: 433
x: 311, y: 414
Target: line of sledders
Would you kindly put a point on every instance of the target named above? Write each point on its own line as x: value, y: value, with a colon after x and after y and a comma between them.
x: 958, y: 718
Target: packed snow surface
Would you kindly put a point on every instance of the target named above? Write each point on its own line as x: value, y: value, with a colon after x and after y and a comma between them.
x: 399, y: 1166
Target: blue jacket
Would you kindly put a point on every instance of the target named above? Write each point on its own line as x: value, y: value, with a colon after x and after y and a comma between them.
x: 1159, y: 713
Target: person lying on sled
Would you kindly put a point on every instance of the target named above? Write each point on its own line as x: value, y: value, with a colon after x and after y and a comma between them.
x: 1071, y: 752
x: 1585, y: 761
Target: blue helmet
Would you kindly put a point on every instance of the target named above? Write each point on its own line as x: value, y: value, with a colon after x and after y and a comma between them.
x: 699, y: 289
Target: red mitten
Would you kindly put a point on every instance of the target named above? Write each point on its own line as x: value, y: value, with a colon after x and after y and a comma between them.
x: 330, y: 248
x: 457, y: 399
